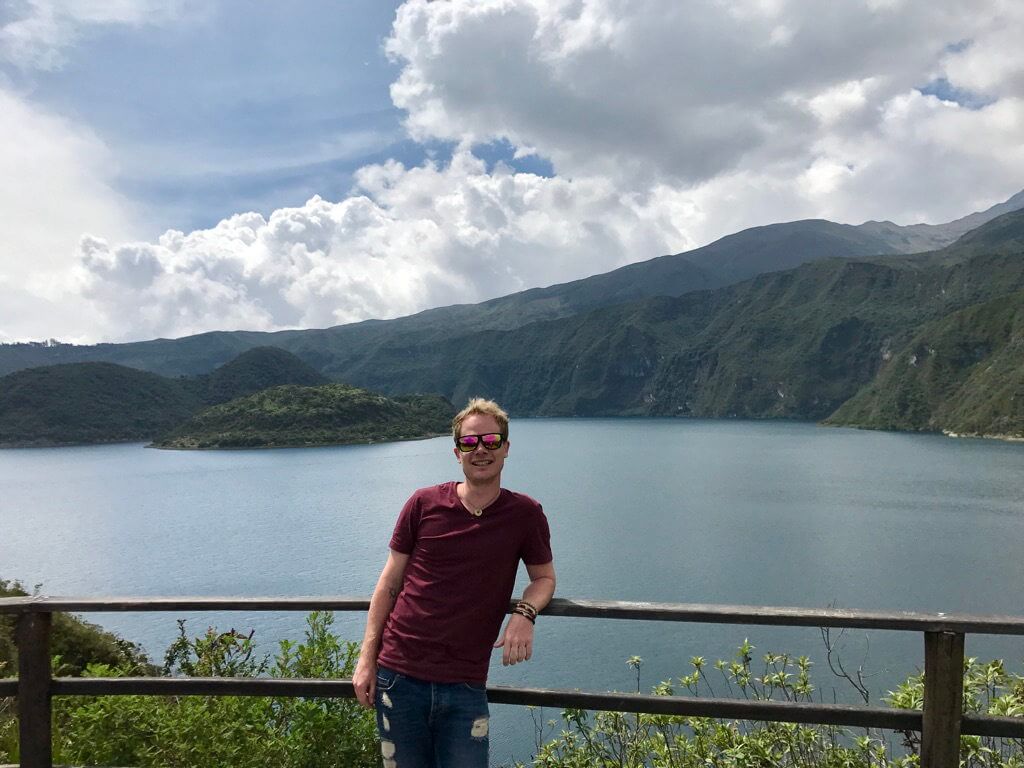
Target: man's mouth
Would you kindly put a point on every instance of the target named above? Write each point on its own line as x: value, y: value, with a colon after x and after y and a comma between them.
x: 482, y: 462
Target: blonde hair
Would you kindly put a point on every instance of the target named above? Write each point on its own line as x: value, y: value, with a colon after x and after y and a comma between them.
x: 485, y: 408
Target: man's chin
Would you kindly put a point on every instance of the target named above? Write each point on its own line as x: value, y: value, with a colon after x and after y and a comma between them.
x: 482, y: 474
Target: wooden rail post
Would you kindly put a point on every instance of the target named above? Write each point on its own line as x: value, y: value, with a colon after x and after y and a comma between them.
x: 943, y: 699
x: 34, y: 676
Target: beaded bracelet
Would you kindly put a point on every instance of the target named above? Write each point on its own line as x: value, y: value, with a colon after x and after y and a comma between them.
x: 527, y: 608
x: 525, y: 615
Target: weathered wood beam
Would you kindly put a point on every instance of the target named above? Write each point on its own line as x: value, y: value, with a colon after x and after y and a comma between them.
x: 943, y: 699
x: 32, y: 636
x: 608, y: 609
x: 782, y: 711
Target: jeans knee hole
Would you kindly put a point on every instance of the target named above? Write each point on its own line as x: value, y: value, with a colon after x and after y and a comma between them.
x: 480, y: 727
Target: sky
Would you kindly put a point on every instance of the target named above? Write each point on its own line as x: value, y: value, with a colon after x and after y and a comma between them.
x: 169, y: 167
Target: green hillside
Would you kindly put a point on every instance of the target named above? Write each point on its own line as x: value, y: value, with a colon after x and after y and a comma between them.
x: 963, y: 374
x: 89, y: 403
x: 257, y: 369
x: 792, y: 344
x: 290, y: 416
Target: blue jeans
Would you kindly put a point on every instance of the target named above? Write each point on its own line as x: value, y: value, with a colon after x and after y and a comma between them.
x: 431, y: 725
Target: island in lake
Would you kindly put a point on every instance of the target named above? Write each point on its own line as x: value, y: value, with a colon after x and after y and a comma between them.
x: 265, y: 397
x: 329, y: 414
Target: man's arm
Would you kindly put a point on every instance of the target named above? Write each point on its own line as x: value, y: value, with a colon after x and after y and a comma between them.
x: 383, y: 600
x: 517, y: 638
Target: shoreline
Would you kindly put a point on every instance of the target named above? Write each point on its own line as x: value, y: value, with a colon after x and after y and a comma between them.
x: 149, y: 443
x: 154, y: 446
x: 976, y: 436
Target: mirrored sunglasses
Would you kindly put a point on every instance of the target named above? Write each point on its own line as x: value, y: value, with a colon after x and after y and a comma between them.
x: 468, y: 443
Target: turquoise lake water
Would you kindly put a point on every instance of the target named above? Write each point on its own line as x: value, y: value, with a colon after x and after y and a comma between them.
x: 763, y: 513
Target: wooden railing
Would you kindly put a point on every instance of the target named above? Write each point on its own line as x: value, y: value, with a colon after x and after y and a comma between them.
x: 941, y: 722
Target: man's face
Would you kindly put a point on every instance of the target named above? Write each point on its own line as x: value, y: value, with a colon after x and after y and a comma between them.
x: 481, y: 465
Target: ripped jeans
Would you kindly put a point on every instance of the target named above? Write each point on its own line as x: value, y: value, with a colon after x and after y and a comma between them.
x: 430, y: 725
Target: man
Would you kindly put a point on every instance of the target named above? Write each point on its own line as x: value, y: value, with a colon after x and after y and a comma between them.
x: 441, y: 599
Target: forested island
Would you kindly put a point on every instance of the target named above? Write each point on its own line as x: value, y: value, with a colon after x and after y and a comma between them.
x: 266, y: 397
x: 331, y: 414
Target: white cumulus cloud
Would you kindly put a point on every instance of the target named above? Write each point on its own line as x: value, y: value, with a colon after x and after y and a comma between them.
x: 406, y: 239
x: 55, y: 187
x: 788, y: 93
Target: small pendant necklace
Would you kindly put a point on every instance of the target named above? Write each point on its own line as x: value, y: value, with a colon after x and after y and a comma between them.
x: 478, y: 511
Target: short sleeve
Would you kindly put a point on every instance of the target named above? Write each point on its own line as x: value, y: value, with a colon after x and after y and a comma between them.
x: 404, y: 538
x: 537, y: 544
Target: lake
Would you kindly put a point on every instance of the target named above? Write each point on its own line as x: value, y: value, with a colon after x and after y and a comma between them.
x: 768, y: 513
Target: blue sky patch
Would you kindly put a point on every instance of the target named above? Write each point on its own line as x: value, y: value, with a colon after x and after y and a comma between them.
x: 943, y: 89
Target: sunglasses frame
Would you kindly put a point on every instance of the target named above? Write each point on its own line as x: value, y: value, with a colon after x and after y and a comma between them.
x: 502, y: 438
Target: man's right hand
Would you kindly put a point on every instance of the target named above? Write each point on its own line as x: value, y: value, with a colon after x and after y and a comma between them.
x: 364, y: 680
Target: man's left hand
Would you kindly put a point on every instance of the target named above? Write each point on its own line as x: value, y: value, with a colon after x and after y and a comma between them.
x: 517, y: 640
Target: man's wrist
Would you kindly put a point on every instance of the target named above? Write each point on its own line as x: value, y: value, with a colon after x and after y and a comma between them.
x: 525, y: 617
x: 367, y: 658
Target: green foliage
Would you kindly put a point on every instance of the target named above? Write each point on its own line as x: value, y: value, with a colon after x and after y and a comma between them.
x: 618, y: 740
x: 232, y: 731
x: 989, y: 690
x: 75, y: 643
x: 301, y: 416
x: 88, y: 403
x: 8, y: 726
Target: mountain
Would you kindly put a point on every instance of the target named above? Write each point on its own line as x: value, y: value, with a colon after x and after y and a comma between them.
x: 347, y: 352
x: 783, y: 246
x: 293, y: 416
x: 793, y: 344
x: 962, y: 374
x: 257, y: 369
x: 918, y: 238
x: 89, y: 403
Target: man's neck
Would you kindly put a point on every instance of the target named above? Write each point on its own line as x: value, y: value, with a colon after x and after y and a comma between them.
x: 479, y: 492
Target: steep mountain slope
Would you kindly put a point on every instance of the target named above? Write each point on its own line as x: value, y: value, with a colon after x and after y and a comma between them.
x: 792, y: 344
x: 963, y: 373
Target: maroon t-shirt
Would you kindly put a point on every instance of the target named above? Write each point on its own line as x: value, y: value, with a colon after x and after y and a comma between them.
x: 458, y: 582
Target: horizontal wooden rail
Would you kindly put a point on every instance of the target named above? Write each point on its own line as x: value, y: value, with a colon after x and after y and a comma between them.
x: 824, y: 714
x: 594, y: 609
x: 738, y: 709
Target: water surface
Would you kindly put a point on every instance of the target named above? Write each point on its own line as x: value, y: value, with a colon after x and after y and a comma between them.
x: 764, y: 513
